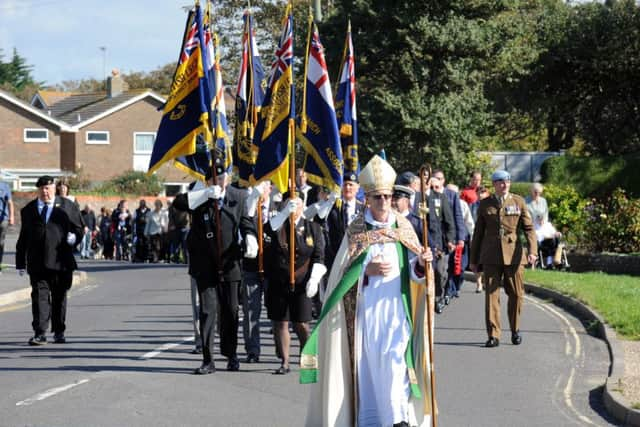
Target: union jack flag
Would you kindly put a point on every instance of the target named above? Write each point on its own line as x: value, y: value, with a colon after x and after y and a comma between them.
x: 284, y: 52
x: 191, y: 41
x: 346, y: 108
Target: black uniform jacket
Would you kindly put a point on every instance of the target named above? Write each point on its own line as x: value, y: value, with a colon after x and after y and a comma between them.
x: 43, y: 246
x: 201, y: 241
x: 442, y: 226
x: 337, y: 223
x: 309, y: 250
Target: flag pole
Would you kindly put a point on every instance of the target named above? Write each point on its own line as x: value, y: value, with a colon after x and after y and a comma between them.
x: 292, y: 174
x: 425, y: 173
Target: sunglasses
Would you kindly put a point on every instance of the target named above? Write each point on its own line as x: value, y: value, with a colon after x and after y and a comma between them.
x: 381, y: 196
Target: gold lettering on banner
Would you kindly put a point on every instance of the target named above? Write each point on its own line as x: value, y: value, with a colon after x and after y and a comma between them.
x: 337, y: 164
x: 186, y: 79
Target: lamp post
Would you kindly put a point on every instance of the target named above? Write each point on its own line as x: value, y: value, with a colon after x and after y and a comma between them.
x: 104, y: 65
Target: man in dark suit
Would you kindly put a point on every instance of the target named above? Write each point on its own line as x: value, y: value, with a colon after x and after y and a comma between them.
x: 341, y: 215
x: 50, y: 228
x: 218, y: 274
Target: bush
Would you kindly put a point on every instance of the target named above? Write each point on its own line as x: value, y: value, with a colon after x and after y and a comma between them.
x: 132, y: 182
x: 594, y: 176
x: 567, y: 211
x: 520, y: 188
x: 613, y: 225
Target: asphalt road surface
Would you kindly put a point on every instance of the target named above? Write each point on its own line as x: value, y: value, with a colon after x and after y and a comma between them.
x: 127, y: 363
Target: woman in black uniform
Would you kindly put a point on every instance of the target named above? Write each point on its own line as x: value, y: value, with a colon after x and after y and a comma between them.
x: 283, y: 304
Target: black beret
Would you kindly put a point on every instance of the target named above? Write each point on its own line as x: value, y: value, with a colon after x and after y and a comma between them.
x: 44, y: 180
x: 351, y: 176
x: 219, y: 170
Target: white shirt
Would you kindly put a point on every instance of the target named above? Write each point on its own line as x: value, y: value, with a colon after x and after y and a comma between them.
x: 350, y: 209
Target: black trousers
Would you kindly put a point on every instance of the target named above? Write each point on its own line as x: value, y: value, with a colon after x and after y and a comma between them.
x: 218, y: 301
x: 49, y: 300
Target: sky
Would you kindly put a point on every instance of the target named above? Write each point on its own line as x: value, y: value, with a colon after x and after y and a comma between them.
x: 61, y: 39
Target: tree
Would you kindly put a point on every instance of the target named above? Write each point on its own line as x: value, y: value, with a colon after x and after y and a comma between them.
x: 423, y: 69
x: 16, y: 77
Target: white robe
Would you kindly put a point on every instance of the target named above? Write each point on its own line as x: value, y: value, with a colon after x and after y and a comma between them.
x: 382, y: 391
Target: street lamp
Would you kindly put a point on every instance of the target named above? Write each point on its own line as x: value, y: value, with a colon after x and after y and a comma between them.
x: 104, y: 65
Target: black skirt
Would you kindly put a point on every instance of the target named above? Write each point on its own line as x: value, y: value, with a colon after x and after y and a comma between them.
x: 284, y: 305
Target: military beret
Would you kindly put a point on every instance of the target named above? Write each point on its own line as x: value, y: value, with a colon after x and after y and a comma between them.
x: 219, y: 165
x: 351, y: 176
x: 44, y: 180
x: 405, y: 178
x: 501, y: 175
x: 402, y: 191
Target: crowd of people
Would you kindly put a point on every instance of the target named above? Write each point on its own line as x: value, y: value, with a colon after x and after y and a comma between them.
x: 144, y: 235
x: 358, y: 257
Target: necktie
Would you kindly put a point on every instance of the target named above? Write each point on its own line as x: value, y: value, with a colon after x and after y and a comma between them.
x: 43, y: 213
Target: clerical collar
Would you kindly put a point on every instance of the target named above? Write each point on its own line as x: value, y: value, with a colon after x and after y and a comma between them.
x: 378, y: 224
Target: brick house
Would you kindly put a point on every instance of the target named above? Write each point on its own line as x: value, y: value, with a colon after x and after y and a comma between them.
x: 97, y: 135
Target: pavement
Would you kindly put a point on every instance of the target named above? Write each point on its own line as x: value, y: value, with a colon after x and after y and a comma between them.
x: 15, y: 290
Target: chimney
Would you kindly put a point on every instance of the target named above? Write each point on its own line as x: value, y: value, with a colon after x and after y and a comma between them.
x: 115, y: 84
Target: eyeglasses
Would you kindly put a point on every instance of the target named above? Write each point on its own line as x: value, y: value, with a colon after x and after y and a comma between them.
x: 381, y: 196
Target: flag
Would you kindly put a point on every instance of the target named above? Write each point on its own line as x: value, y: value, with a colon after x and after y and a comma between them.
x: 219, y: 126
x: 346, y: 108
x: 198, y: 163
x: 318, y: 131
x: 273, y: 134
x: 249, y: 98
x: 186, y: 112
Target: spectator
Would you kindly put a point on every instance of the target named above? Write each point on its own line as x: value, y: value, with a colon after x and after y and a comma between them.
x: 178, y: 232
x: 90, y: 227
x: 121, y: 219
x: 157, y: 223
x: 537, y: 204
x: 6, y: 215
x: 470, y: 193
x: 141, y: 244
x: 63, y: 190
x: 106, y: 234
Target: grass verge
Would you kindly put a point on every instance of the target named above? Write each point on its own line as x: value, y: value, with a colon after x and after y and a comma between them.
x: 615, y: 297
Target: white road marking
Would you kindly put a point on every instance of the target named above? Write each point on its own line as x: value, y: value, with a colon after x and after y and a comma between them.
x: 51, y: 392
x: 165, y: 347
x: 568, y: 350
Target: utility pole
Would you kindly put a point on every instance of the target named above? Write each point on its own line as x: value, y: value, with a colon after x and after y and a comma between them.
x: 317, y: 11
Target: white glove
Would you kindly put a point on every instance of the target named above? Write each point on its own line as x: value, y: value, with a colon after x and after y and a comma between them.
x: 317, y: 271
x: 22, y: 272
x: 252, y: 246
x: 71, y: 239
x: 325, y: 207
x: 311, y: 211
x: 277, y: 220
x: 252, y: 199
x: 214, y: 192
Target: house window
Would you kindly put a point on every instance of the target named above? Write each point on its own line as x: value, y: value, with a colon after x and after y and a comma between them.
x: 97, y: 137
x: 143, y: 142
x: 142, y: 148
x: 36, y: 135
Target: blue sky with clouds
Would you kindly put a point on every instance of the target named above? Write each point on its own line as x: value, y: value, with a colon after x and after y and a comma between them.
x: 61, y: 39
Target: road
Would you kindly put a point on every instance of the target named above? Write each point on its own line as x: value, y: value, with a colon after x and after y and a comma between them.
x: 127, y: 363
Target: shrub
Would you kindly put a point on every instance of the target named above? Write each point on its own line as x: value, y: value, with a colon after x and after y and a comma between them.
x: 520, y: 188
x: 566, y: 210
x: 613, y: 225
x: 132, y: 182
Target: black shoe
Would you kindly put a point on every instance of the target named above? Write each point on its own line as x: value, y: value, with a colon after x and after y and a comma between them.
x: 59, y: 338
x: 516, y: 338
x: 492, y: 342
x: 38, y: 340
x: 439, y: 306
x: 233, y: 364
x: 401, y: 424
x: 447, y: 300
x: 197, y: 350
x: 252, y: 358
x: 282, y: 370
x: 205, y: 369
